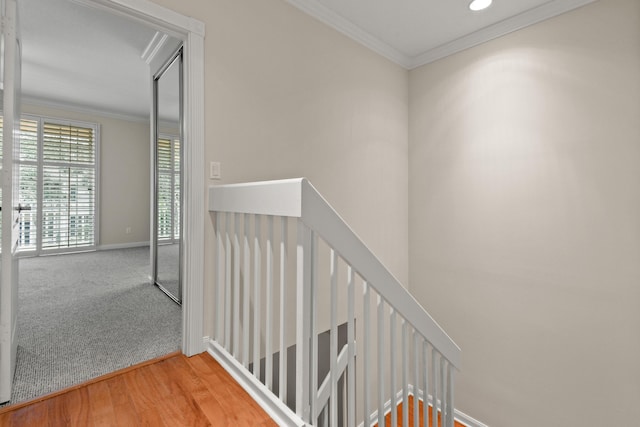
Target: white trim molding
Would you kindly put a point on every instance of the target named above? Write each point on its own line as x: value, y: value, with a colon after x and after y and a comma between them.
x: 122, y: 246
x: 156, y: 42
x: 327, y: 16
x: 82, y: 109
x: 465, y: 419
x: 275, y: 408
x: 459, y: 416
x: 194, y: 193
x: 191, y: 32
x: 517, y: 22
x: 499, y: 29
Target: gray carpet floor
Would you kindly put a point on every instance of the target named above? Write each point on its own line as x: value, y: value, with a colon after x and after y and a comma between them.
x: 84, y: 315
x: 169, y: 268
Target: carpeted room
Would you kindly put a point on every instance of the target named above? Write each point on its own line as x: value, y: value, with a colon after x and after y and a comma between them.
x: 88, y: 314
x: 86, y: 302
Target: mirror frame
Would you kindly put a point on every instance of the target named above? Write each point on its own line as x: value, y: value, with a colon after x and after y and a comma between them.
x: 177, y: 56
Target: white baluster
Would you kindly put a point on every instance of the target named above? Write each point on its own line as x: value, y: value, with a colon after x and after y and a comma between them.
x: 219, y: 280
x: 405, y: 375
x: 416, y: 373
x: 366, y: 301
x: 351, y: 372
x: 246, y: 291
x: 314, y: 328
x: 236, y: 287
x: 425, y: 385
x: 434, y: 380
x: 303, y: 320
x: 257, y: 301
x: 227, y: 284
x: 392, y: 364
x: 450, y: 405
x: 269, y: 324
x: 345, y: 403
x: 380, y: 375
x: 442, y: 391
x: 333, y: 344
x: 283, y: 308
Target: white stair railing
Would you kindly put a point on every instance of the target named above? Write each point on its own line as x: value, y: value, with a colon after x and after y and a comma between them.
x: 289, y: 269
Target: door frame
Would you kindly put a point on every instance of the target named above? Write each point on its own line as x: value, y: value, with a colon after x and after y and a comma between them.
x: 11, y: 80
x: 191, y: 32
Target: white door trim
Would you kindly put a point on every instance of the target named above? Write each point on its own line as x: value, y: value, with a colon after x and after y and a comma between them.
x: 191, y: 31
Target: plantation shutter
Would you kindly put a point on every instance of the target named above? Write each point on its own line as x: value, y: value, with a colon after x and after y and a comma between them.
x: 165, y: 189
x: 68, y: 186
x: 176, y: 189
x: 168, y: 199
x: 28, y: 182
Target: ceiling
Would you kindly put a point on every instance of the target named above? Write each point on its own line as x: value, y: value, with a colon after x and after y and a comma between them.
x: 84, y: 58
x: 88, y: 59
x: 416, y: 32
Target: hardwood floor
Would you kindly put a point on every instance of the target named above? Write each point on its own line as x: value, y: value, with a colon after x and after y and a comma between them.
x: 169, y: 391
x: 173, y: 390
x: 387, y: 419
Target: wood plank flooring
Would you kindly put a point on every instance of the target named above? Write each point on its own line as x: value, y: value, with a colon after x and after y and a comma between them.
x: 387, y: 419
x: 171, y: 391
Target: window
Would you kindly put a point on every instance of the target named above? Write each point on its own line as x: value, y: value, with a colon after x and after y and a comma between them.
x: 168, y: 158
x: 68, y: 186
x: 28, y: 182
x: 57, y: 182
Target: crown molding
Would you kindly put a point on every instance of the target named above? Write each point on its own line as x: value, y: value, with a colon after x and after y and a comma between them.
x: 82, y: 109
x: 154, y: 45
x: 150, y: 13
x: 499, y: 29
x: 509, y: 25
x: 351, y: 30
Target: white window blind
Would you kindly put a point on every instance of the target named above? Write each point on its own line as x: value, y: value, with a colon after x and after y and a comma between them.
x: 168, y: 199
x: 28, y: 182
x: 68, y: 186
x: 57, y: 182
x: 176, y: 189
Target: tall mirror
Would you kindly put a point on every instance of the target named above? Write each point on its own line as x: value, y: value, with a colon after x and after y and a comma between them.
x: 168, y: 178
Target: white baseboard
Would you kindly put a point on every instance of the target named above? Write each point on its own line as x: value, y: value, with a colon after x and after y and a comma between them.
x: 465, y: 419
x: 122, y: 246
x: 459, y: 416
x: 285, y: 416
x: 276, y: 409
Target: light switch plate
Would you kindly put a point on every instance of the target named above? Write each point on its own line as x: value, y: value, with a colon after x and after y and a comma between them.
x: 214, y: 170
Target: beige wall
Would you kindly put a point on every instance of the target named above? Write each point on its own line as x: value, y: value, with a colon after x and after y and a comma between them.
x: 524, y: 192
x: 124, y: 174
x: 287, y: 96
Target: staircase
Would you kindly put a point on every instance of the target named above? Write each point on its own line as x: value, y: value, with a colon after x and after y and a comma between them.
x: 291, y: 274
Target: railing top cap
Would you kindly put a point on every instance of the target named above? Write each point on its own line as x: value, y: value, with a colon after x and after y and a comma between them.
x: 275, y: 182
x: 278, y: 197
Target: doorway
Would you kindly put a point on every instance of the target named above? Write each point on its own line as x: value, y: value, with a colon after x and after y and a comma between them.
x: 191, y: 32
x: 193, y: 147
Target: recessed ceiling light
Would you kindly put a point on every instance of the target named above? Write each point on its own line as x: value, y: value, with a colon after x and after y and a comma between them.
x: 477, y: 5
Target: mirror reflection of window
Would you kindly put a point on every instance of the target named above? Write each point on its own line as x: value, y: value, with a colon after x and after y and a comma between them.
x: 168, y: 181
x: 168, y: 198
